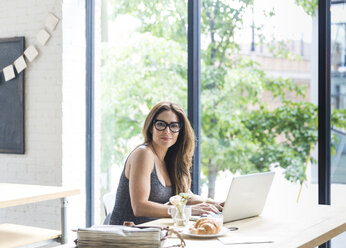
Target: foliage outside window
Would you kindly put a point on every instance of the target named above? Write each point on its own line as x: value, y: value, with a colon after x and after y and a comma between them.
x: 240, y: 133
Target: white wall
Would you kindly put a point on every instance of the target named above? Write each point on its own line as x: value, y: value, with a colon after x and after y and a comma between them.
x: 54, y: 109
x: 98, y: 203
x: 73, y: 106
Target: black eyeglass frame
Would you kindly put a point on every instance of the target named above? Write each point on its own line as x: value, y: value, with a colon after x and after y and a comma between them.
x: 168, y: 125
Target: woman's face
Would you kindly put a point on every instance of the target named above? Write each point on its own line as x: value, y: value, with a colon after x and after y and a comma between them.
x: 165, y: 138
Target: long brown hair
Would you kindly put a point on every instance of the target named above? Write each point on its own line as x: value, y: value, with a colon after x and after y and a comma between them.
x: 179, y: 156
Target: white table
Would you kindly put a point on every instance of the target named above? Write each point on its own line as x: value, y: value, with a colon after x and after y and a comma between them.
x: 286, y: 226
x: 12, y: 235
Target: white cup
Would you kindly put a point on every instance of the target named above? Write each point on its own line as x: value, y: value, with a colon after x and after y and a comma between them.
x: 180, y: 219
x: 218, y: 218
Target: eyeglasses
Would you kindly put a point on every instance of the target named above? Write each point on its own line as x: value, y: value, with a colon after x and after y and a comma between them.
x: 173, y: 126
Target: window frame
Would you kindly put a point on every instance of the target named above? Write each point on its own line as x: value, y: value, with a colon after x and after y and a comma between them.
x: 194, y: 85
x: 89, y: 139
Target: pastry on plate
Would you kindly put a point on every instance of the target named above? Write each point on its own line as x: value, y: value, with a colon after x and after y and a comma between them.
x: 205, y: 226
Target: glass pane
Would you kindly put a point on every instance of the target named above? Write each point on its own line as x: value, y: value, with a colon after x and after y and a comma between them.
x: 259, y: 96
x: 338, y: 105
x: 143, y: 54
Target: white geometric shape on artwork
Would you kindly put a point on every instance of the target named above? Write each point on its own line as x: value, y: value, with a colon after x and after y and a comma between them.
x: 9, y: 73
x: 31, y: 53
x: 51, y: 22
x: 20, y: 64
x: 42, y: 37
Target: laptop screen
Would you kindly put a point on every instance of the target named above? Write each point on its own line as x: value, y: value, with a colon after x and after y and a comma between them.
x: 247, y: 196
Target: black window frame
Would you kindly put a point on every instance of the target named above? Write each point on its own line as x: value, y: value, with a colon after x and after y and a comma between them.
x: 194, y: 85
x: 324, y: 102
x: 89, y: 139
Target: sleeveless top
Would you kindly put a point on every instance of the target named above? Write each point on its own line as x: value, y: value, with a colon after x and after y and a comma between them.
x: 123, y: 210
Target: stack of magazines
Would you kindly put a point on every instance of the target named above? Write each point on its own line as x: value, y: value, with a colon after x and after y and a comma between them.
x: 119, y: 236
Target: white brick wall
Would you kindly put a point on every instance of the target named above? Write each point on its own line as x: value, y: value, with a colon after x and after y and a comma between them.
x: 54, y: 109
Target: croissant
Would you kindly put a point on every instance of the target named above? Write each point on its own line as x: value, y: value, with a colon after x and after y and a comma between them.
x: 205, y: 226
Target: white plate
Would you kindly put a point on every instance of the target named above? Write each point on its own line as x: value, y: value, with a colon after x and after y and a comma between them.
x: 223, y: 231
x: 194, y: 217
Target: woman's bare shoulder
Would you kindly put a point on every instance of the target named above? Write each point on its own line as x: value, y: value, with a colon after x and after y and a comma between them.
x: 142, y: 150
x: 142, y: 154
x: 141, y: 160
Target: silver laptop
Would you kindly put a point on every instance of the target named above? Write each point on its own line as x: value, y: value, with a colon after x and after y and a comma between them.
x: 247, y: 196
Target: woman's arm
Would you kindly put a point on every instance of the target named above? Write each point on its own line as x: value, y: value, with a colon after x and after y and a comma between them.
x: 202, y: 206
x: 141, y: 164
x: 195, y: 199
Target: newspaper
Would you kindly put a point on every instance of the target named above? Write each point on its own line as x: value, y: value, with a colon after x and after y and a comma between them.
x: 119, y: 236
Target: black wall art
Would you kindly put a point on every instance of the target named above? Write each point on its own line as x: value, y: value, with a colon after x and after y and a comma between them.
x: 11, y: 98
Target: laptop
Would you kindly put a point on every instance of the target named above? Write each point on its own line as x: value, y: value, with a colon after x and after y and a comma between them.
x: 247, y: 196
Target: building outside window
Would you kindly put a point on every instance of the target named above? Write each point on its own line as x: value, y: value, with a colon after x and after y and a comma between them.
x: 338, y: 103
x: 338, y: 89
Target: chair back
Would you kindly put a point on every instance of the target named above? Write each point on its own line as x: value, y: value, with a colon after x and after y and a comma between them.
x: 108, y: 202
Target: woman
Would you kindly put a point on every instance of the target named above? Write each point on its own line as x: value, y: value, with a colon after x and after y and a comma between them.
x: 159, y: 169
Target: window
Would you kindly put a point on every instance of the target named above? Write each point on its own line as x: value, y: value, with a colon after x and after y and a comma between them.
x: 338, y: 90
x: 258, y: 100
x: 143, y: 53
x: 258, y: 87
x: 338, y: 105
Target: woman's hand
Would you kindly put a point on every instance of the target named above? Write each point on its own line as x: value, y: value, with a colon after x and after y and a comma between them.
x: 219, y: 206
x: 205, y: 208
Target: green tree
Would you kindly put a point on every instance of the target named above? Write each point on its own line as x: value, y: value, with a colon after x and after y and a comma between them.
x: 239, y: 131
x: 135, y: 77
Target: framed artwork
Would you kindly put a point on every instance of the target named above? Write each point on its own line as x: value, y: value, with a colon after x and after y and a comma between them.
x: 11, y: 98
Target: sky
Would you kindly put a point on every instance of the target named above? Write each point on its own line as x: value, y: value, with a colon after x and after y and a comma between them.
x: 289, y: 22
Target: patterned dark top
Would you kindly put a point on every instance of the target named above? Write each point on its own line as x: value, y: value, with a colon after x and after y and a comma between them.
x: 123, y: 210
